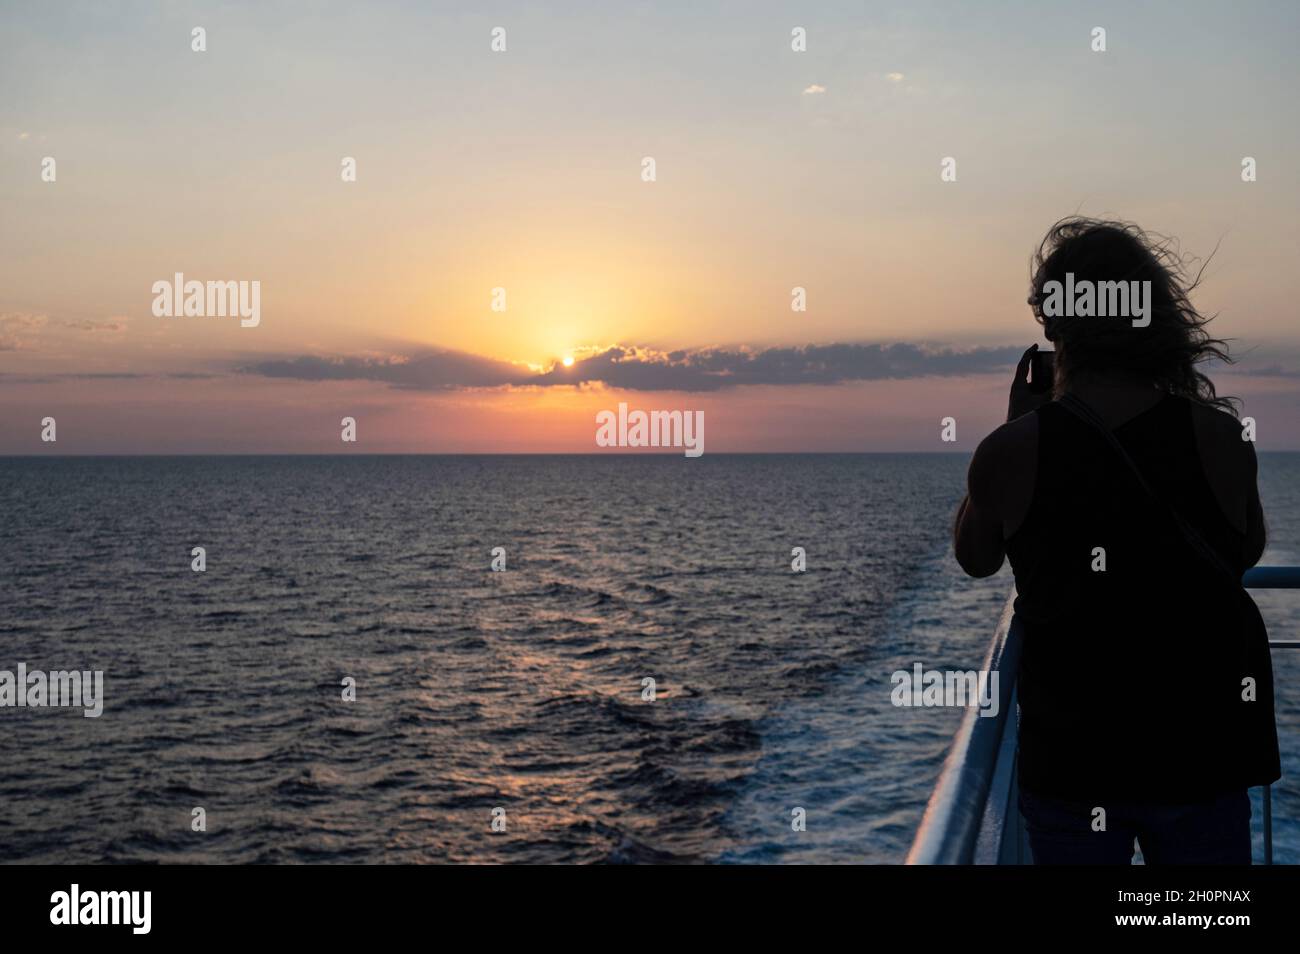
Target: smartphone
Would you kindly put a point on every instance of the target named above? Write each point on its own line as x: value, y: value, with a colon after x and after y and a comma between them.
x: 1041, y: 371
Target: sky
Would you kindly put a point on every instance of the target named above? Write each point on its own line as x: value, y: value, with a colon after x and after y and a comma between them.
x: 522, y: 170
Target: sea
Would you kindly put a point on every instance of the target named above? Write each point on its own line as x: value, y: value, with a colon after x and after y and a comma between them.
x: 647, y: 679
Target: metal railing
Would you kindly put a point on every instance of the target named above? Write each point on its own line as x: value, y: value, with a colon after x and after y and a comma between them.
x: 1272, y: 578
x: 973, y: 816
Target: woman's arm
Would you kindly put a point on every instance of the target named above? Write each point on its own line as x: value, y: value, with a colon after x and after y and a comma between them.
x: 1000, y: 481
x: 993, y: 483
x: 977, y: 536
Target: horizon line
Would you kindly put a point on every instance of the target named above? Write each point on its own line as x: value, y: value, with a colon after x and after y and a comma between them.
x: 661, y: 454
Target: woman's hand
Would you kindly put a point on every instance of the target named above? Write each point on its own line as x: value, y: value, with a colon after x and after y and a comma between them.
x: 1024, y: 397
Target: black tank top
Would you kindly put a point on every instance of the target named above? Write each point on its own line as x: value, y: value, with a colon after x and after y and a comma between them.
x: 1132, y: 677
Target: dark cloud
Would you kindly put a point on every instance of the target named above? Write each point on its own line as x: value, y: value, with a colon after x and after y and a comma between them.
x: 432, y: 371
x: 639, y: 369
x: 51, y: 378
x: 1268, y: 371
x: 712, y: 369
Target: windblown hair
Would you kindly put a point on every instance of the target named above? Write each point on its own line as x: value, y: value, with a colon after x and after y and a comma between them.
x: 1168, y: 350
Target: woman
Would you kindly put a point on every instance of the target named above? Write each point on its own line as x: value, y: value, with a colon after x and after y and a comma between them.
x: 1124, y: 496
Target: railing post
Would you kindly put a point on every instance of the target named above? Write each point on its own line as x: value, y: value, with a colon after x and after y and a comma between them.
x: 1268, y: 824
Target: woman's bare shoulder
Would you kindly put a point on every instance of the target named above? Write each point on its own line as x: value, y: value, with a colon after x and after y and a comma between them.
x: 1010, y: 443
x: 1003, y: 469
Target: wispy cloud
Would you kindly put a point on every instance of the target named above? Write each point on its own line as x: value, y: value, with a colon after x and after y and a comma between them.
x: 110, y: 325
x: 24, y: 331
x: 814, y: 89
x: 15, y: 326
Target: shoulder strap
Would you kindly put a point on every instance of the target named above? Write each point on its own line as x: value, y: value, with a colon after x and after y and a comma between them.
x: 1194, y: 539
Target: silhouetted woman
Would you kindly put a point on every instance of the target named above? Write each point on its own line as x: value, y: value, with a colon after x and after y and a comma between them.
x: 1125, y: 498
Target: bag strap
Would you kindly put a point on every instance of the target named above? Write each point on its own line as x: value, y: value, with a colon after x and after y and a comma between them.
x: 1194, y: 539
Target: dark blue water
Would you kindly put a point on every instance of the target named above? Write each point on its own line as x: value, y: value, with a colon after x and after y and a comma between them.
x: 476, y: 691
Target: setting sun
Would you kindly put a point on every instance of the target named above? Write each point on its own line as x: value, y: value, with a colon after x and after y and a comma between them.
x: 568, y: 360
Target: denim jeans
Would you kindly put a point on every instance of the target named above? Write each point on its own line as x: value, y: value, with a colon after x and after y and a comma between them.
x: 1215, y: 831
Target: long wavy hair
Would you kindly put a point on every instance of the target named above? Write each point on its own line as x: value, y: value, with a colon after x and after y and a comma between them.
x: 1168, y: 351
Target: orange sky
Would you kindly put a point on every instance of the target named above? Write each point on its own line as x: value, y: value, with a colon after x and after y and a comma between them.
x: 522, y: 170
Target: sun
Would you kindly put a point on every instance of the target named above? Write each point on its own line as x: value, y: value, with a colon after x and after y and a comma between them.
x: 568, y: 360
